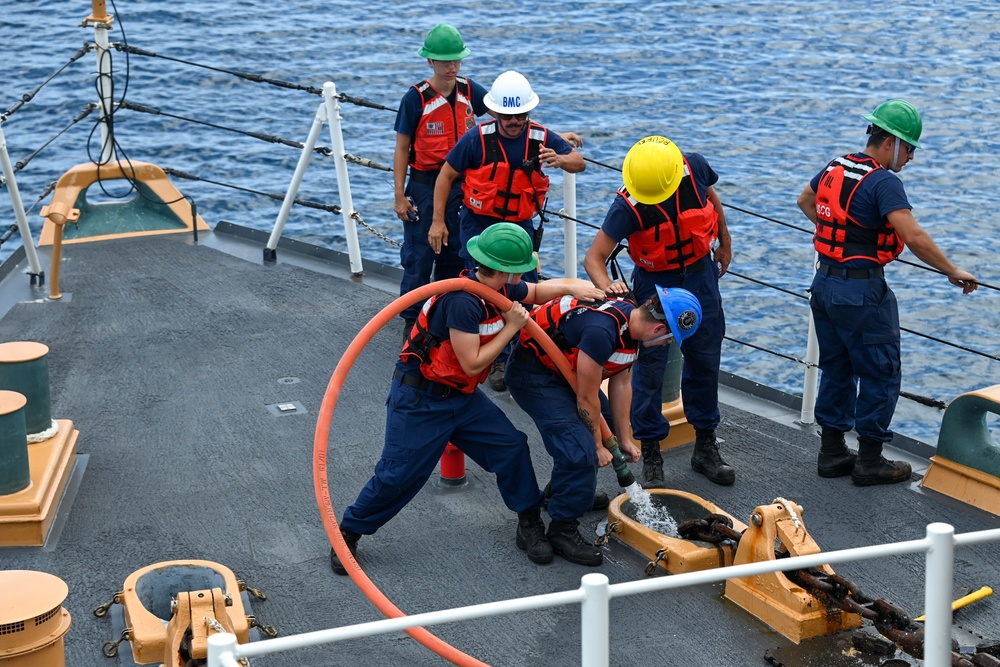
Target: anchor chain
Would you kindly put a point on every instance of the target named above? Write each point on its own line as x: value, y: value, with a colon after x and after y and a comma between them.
x: 714, y: 529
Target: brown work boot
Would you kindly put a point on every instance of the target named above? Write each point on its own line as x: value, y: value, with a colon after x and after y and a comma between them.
x: 531, y: 537
x: 707, y: 460
x: 652, y: 465
x: 835, y: 459
x: 872, y: 468
x: 352, y: 543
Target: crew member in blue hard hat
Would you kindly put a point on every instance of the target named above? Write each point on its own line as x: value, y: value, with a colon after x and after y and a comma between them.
x: 670, y: 214
x: 434, y: 397
x: 432, y: 116
x: 863, y: 219
x: 501, y: 165
x: 601, y: 341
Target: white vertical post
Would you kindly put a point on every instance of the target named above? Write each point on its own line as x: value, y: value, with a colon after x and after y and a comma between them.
x: 569, y: 226
x: 300, y: 170
x: 811, y: 380
x: 15, y: 198
x: 222, y: 650
x: 104, y: 88
x: 594, y: 621
x: 343, y: 184
x: 939, y: 582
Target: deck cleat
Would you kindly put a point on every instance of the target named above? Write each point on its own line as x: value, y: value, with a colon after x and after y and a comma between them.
x: 670, y: 551
x: 774, y: 598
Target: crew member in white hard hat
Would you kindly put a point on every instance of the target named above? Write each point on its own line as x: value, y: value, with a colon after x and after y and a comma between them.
x: 502, y: 169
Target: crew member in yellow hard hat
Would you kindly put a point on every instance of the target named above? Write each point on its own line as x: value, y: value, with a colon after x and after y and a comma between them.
x: 863, y: 219
x: 432, y: 116
x: 672, y: 218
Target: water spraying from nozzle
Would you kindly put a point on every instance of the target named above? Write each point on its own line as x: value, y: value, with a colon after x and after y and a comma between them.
x: 619, y: 463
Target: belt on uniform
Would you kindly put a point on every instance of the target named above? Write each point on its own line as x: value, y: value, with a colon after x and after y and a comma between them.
x: 423, y: 384
x: 426, y: 177
x: 694, y: 267
x: 525, y: 355
x: 842, y: 272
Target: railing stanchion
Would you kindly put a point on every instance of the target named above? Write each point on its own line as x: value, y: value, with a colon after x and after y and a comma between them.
x: 343, y: 183
x: 222, y: 650
x: 810, y: 381
x: 939, y: 581
x: 595, y: 623
x: 293, y: 187
x: 15, y: 199
x: 569, y: 226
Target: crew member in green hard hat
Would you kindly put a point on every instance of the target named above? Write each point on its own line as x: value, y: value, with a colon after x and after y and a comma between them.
x: 672, y: 217
x: 863, y: 219
x: 434, y: 397
x: 432, y: 116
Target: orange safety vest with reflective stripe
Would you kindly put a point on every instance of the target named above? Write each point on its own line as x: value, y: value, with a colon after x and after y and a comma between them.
x: 441, y: 124
x: 549, y: 315
x: 438, y: 362
x: 499, y: 189
x: 838, y: 235
x: 664, y: 244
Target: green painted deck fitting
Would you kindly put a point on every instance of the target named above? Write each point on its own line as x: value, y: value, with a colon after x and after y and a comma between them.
x: 144, y: 212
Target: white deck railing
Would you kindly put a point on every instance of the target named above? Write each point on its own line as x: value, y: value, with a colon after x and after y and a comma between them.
x: 595, y: 593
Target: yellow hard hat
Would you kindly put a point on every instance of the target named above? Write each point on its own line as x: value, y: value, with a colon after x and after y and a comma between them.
x: 653, y: 169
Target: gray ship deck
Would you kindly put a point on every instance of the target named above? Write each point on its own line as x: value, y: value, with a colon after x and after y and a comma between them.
x: 167, y: 356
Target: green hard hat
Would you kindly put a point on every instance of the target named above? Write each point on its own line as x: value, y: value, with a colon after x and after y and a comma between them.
x: 443, y: 42
x: 503, y: 247
x: 900, y: 119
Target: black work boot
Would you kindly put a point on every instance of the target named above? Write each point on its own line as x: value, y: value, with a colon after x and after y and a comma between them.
x: 531, y: 537
x: 496, y: 376
x: 601, y: 500
x: 707, y: 460
x: 871, y: 468
x: 652, y: 465
x: 352, y: 543
x: 835, y: 459
x: 569, y: 543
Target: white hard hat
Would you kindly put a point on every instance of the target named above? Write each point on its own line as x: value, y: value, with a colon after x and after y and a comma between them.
x: 511, y: 94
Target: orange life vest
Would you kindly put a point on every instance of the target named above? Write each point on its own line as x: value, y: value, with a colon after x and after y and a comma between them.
x: 441, y: 124
x: 838, y: 235
x: 549, y: 315
x: 664, y: 244
x: 499, y: 189
x: 438, y: 362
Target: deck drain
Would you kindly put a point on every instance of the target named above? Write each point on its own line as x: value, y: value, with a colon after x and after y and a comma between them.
x: 286, y: 408
x: 289, y: 380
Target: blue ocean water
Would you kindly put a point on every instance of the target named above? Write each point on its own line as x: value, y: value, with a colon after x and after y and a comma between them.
x: 768, y: 92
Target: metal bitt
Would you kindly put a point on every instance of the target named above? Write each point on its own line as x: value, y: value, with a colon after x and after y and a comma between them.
x: 773, y: 597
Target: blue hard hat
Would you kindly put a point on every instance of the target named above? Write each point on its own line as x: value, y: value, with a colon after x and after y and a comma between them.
x: 680, y: 309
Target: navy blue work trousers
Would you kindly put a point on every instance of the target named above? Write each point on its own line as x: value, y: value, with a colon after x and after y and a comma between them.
x: 418, y: 426
x: 702, y: 355
x: 551, y: 403
x: 857, y: 327
x: 417, y: 258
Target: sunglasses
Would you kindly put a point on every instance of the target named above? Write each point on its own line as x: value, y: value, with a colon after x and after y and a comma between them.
x: 909, y: 149
x: 508, y: 116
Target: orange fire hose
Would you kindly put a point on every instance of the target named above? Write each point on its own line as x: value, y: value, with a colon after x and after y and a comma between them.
x: 322, y: 437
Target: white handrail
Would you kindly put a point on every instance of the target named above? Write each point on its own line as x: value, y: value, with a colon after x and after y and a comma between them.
x: 27, y: 240
x: 595, y: 593
x: 569, y: 226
